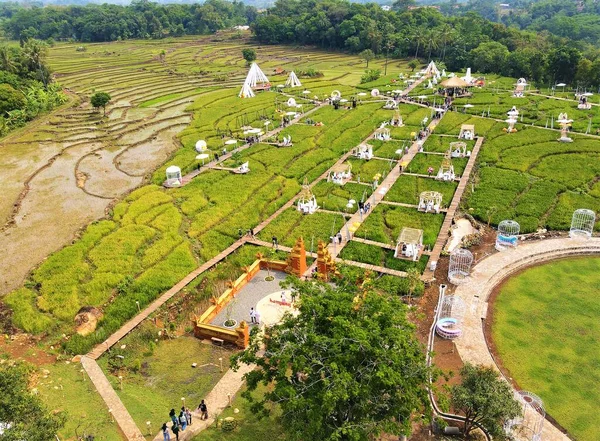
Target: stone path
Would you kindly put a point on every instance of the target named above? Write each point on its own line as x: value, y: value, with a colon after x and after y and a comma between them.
x: 472, y: 346
x: 444, y: 233
x: 112, y: 400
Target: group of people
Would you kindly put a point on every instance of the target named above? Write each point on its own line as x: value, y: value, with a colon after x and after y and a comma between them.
x: 183, y: 420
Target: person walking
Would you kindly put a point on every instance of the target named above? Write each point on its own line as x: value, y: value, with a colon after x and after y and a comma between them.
x: 182, y: 420
x: 283, y: 298
x: 188, y: 416
x: 252, y: 316
x: 203, y: 410
x: 173, y: 416
x: 175, y: 430
x: 257, y: 316
x: 165, y: 431
x: 293, y: 295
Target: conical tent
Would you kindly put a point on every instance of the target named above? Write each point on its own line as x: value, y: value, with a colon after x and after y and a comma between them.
x: 246, y: 91
x: 293, y: 80
x: 432, y: 69
x: 468, y: 78
x: 255, y: 75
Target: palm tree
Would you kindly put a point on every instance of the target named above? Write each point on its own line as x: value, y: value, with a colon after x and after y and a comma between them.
x: 6, y: 61
x: 447, y: 33
x: 419, y: 38
x: 433, y: 42
x: 35, y: 52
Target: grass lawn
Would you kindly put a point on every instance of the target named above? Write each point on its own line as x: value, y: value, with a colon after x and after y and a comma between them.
x: 65, y: 389
x: 165, y: 376
x: 547, y: 332
x: 249, y: 427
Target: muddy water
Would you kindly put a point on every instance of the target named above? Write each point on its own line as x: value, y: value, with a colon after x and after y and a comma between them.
x: 53, y: 189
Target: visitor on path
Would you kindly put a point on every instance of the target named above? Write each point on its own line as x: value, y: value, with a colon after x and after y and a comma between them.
x: 294, y: 294
x: 257, y: 316
x: 430, y: 171
x: 252, y: 316
x: 339, y: 237
x: 203, y: 410
x: 188, y: 415
x: 216, y: 156
x: 274, y: 239
x: 175, y: 430
x: 182, y: 420
x: 283, y: 298
x: 173, y: 416
x: 240, y: 233
x: 165, y: 431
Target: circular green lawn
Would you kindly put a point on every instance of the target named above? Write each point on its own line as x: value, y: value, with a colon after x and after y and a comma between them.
x: 547, y: 332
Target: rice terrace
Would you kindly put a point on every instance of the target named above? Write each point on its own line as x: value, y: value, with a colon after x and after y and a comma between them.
x: 315, y: 241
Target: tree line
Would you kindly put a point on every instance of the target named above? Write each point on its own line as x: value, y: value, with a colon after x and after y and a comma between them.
x: 460, y: 41
x: 26, y: 89
x: 141, y: 20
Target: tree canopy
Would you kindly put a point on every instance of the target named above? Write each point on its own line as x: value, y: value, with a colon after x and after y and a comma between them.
x: 347, y: 367
x: 249, y: 55
x: 100, y: 99
x: 484, y: 398
x: 23, y: 412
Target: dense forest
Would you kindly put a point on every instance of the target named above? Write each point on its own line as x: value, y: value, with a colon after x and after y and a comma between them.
x: 459, y: 40
x: 141, y: 19
x: 25, y: 85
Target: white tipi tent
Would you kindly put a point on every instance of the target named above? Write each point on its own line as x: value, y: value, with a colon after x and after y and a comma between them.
x: 255, y: 76
x: 468, y: 78
x: 293, y: 80
x: 246, y: 91
x: 432, y: 69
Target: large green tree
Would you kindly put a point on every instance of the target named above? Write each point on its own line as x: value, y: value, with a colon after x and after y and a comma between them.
x: 10, y: 99
x: 484, y: 399
x: 100, y: 99
x: 249, y: 55
x: 347, y: 367
x: 22, y: 412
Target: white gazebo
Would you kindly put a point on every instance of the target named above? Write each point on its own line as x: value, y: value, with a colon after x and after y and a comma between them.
x: 363, y: 151
x: 467, y: 131
x: 410, y: 244
x: 293, y: 80
x: 307, y: 203
x: 382, y: 134
x: 174, y: 178
x: 430, y: 201
x: 397, y: 119
x: 565, y: 123
x: 458, y: 149
x: 390, y: 104
x: 446, y: 171
x: 340, y: 174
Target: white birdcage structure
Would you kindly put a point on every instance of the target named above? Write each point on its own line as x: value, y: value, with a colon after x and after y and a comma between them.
x: 390, y: 104
x: 449, y: 321
x: 430, y: 201
x: 582, y: 223
x: 529, y: 425
x: 174, y: 178
x: 459, y: 268
x: 446, y: 170
x: 508, y: 235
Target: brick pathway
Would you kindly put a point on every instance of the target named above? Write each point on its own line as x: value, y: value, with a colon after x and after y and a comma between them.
x: 444, y: 234
x: 472, y: 346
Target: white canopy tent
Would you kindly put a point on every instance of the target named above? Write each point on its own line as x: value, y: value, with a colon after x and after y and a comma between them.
x: 468, y: 78
x: 293, y: 80
x: 256, y: 76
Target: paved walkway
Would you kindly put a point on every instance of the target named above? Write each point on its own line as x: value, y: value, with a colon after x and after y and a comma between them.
x: 112, y: 400
x: 472, y: 346
x: 444, y: 234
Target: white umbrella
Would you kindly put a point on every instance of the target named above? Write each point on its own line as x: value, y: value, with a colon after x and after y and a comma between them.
x: 352, y: 201
x: 202, y: 156
x: 468, y: 106
x: 291, y: 113
x: 362, y: 94
x: 561, y: 85
x: 200, y: 145
x: 231, y: 142
x: 254, y: 131
x: 422, y: 97
x: 588, y: 94
x: 349, y: 205
x: 306, y: 92
x: 399, y: 151
x: 343, y: 100
x: 280, y: 86
x: 267, y: 123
